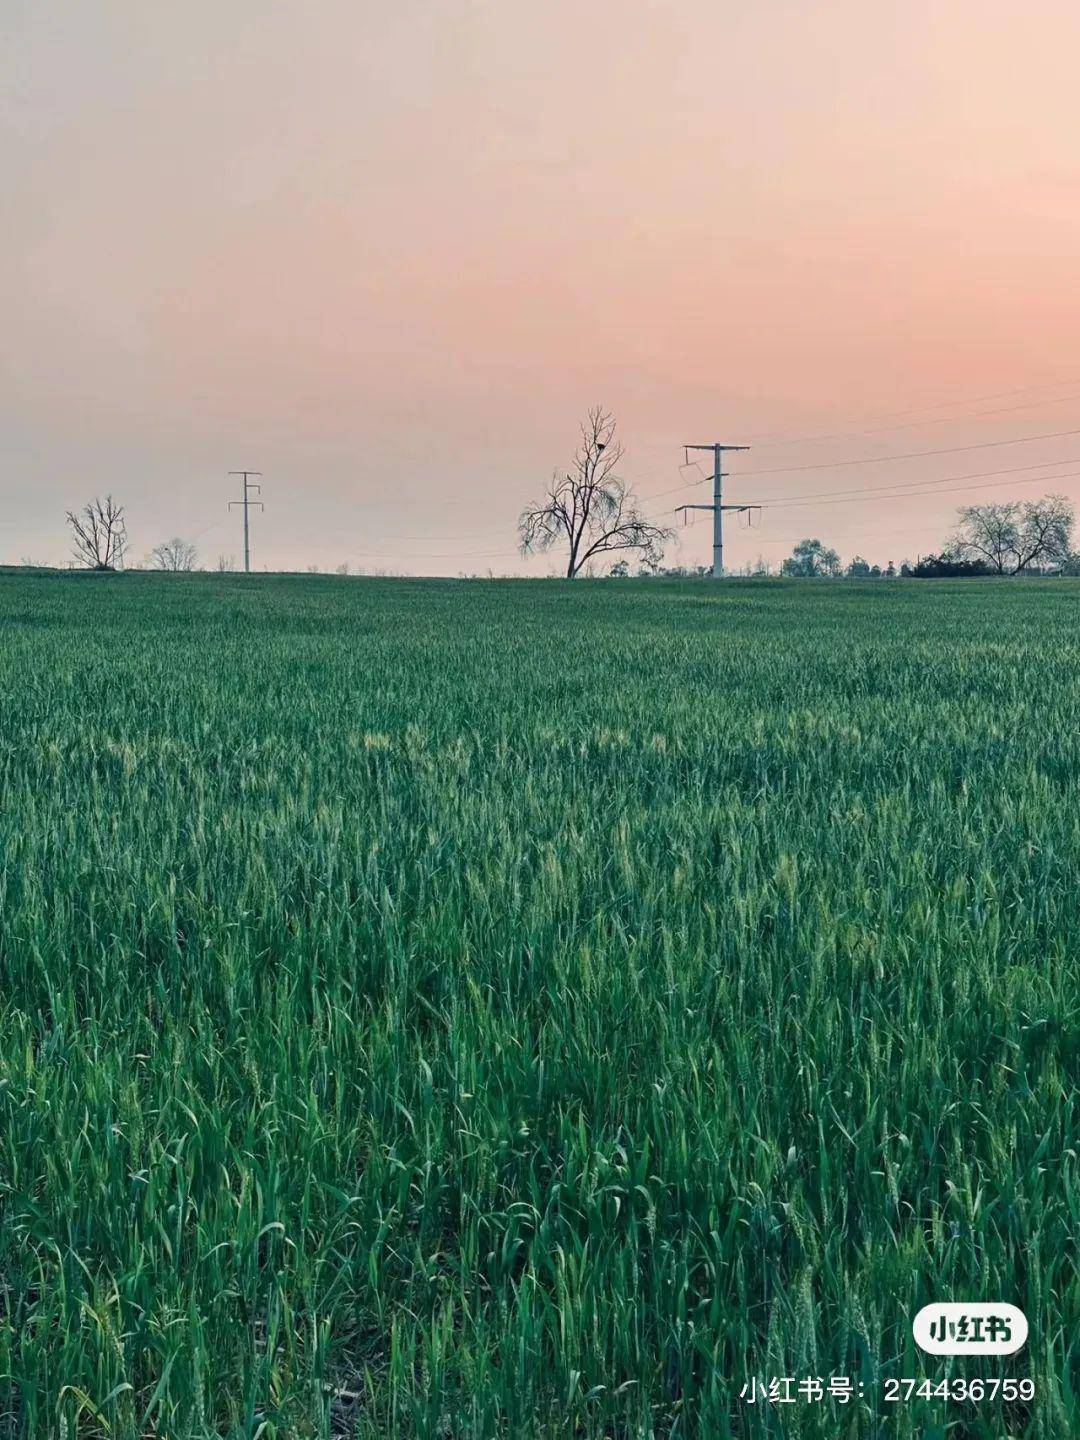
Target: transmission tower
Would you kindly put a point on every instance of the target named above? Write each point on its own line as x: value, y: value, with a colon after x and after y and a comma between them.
x: 717, y: 507
x: 247, y: 485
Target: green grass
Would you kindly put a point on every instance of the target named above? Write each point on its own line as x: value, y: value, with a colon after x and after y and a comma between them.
x: 452, y: 1010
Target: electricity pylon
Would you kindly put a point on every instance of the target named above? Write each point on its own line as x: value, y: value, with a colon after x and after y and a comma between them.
x: 717, y: 507
x: 247, y: 502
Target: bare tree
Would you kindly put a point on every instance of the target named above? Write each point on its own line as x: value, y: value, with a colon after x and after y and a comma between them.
x: 226, y: 564
x: 590, y: 508
x: 175, y: 555
x: 98, y: 534
x: 1011, y: 537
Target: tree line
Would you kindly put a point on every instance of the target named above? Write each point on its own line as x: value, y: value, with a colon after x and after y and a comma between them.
x: 1033, y: 537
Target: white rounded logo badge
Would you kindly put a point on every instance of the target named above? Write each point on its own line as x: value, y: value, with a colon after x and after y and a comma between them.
x: 982, y: 1327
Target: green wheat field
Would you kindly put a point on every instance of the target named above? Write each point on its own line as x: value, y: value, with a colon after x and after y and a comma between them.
x: 466, y: 1009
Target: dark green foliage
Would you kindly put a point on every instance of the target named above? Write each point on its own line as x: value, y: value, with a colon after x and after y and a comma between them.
x: 459, y: 1010
x: 946, y: 567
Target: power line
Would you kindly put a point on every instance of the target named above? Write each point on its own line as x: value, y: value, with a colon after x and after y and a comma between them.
x: 914, y: 454
x: 883, y: 490
x: 974, y: 415
x: 904, y: 494
x: 891, y: 533
x: 206, y: 530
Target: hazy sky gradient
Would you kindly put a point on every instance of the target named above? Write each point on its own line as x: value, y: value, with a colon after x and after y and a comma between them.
x: 390, y: 253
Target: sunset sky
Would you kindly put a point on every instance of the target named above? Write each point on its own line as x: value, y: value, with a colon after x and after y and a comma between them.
x: 389, y: 254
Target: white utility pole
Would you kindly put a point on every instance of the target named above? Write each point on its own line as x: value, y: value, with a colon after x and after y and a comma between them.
x: 247, y: 485
x: 717, y: 507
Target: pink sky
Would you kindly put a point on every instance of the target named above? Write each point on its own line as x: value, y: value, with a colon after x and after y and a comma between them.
x: 390, y: 253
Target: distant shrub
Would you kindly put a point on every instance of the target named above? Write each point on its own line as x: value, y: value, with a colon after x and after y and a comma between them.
x: 946, y: 567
